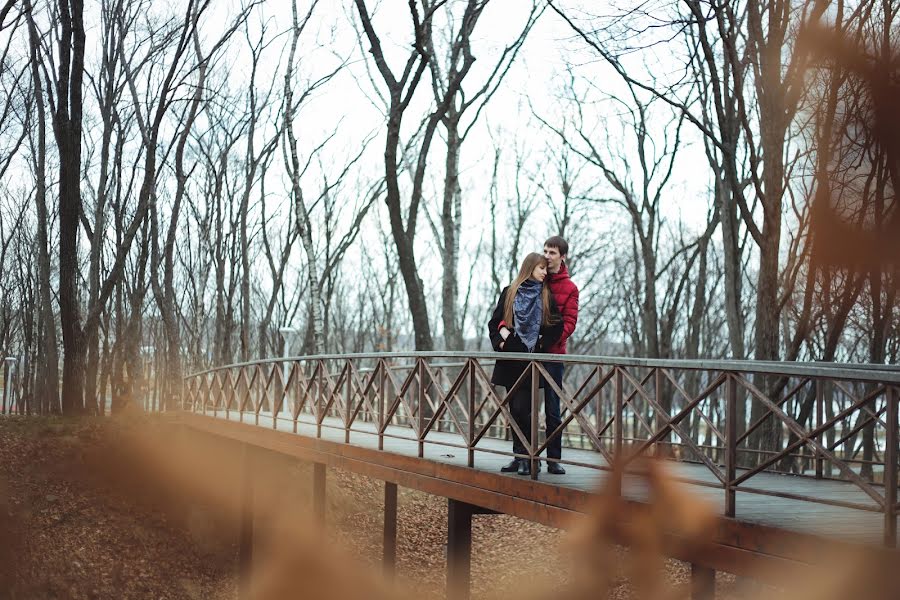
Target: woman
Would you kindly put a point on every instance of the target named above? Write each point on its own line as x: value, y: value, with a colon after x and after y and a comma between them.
x: 525, y: 320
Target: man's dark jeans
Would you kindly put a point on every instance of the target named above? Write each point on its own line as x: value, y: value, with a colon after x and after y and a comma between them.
x: 551, y: 408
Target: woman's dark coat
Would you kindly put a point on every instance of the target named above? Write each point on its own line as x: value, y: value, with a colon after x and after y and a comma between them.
x: 506, y: 372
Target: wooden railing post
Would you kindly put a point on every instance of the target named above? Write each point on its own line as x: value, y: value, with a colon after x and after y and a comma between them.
x: 661, y: 447
x: 619, y: 430
x: 730, y: 444
x: 439, y: 426
x: 224, y: 400
x: 226, y: 406
x: 278, y: 402
x: 295, y: 391
x: 598, y: 404
x: 262, y: 393
x: 240, y: 400
x: 890, y: 468
x: 420, y: 365
x: 348, y: 400
x: 820, y: 418
x: 472, y: 423
x: 320, y: 394
x: 381, y: 392
x: 535, y: 405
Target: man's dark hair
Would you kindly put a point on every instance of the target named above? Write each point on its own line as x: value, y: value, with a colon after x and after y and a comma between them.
x: 558, y: 243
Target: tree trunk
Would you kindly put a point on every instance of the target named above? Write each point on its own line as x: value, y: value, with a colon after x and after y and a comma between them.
x: 301, y: 212
x: 406, y: 257
x: 768, y: 45
x: 67, y: 130
x: 451, y: 223
x: 734, y: 317
x: 48, y: 368
x: 166, y: 295
x: 649, y: 310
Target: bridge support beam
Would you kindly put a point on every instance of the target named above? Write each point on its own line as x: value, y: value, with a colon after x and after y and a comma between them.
x: 389, y: 541
x: 459, y: 546
x: 703, y: 583
x: 319, y: 492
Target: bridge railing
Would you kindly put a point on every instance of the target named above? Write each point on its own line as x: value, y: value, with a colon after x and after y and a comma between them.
x: 737, y: 418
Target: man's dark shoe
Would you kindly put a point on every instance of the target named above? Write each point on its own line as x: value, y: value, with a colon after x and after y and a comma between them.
x: 555, y: 468
x: 512, y: 467
x: 524, y: 467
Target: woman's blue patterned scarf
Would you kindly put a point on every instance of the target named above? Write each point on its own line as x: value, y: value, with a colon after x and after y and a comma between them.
x: 528, y: 311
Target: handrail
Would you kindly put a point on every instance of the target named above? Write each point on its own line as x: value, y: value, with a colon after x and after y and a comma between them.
x: 846, y: 371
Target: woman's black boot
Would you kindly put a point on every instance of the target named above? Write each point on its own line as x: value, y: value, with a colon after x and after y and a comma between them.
x: 512, y: 467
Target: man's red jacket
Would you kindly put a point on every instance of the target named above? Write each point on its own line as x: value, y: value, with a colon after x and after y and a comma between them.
x: 565, y: 292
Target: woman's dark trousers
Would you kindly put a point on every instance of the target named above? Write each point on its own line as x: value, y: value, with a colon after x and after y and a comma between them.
x: 520, y: 407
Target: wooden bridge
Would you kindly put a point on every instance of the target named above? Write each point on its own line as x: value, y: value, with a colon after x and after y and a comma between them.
x: 793, y: 456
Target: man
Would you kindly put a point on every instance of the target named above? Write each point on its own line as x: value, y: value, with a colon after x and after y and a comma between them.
x: 565, y: 292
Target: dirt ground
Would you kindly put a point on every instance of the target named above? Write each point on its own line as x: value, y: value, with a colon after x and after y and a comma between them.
x: 71, y: 535
x: 74, y: 526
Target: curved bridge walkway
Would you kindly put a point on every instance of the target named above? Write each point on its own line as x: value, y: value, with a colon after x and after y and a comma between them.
x: 790, y: 455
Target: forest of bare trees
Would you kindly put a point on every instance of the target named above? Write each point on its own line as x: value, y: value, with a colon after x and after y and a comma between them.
x: 194, y: 184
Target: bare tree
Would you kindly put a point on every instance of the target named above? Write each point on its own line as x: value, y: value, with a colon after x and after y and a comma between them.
x: 218, y: 223
x: 15, y: 109
x: 462, y: 114
x: 48, y: 368
x: 301, y: 208
x: 400, y: 93
x: 639, y: 194
x: 65, y: 98
x: 164, y: 291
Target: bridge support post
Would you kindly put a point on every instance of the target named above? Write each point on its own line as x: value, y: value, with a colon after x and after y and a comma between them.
x: 245, y: 543
x: 389, y: 541
x: 459, y: 549
x: 459, y: 546
x: 319, y: 492
x: 703, y: 583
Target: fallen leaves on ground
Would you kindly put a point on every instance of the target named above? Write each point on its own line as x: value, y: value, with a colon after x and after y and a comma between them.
x: 84, y: 525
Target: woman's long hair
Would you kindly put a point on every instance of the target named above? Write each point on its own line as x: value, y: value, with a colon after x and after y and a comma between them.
x: 528, y: 265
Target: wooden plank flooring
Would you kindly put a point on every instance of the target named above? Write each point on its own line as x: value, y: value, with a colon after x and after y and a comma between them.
x: 796, y: 515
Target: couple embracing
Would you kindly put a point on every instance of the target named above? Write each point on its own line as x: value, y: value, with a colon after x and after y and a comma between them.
x: 537, y: 312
